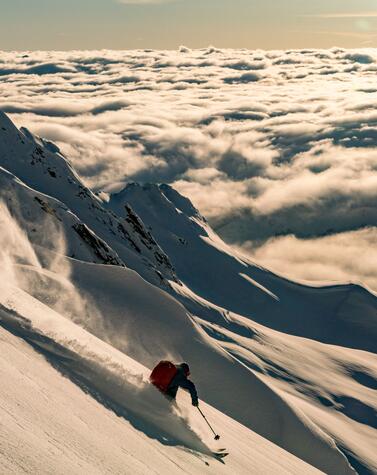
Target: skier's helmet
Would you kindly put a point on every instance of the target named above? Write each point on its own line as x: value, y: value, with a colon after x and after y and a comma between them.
x: 186, y: 369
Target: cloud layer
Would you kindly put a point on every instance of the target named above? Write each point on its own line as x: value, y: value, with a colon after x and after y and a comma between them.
x: 266, y: 144
x: 349, y: 256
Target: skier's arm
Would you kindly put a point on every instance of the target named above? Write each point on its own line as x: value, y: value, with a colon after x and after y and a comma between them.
x: 190, y: 386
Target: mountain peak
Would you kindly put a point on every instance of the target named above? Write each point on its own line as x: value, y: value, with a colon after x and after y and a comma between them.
x: 159, y: 196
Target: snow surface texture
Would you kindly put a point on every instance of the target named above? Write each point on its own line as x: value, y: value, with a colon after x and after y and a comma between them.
x: 294, y: 364
x: 53, y: 427
x: 273, y: 147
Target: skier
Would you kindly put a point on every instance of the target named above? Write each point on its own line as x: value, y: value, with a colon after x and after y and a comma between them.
x: 169, y: 377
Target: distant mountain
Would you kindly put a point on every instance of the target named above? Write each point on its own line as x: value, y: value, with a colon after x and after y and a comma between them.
x: 216, y: 273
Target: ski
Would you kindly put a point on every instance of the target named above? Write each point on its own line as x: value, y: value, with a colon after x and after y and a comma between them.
x: 220, y: 454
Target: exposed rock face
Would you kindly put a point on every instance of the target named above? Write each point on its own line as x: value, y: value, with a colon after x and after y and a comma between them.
x: 99, y: 247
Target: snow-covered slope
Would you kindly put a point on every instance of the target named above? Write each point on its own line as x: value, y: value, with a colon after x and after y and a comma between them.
x: 53, y: 426
x: 46, y: 220
x: 328, y: 382
x: 214, y: 272
x: 147, y: 324
x: 289, y: 362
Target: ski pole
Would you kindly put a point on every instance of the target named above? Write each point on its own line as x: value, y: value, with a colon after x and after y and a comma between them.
x: 217, y: 437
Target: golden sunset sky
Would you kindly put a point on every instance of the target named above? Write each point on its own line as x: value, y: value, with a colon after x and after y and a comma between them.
x: 124, y: 24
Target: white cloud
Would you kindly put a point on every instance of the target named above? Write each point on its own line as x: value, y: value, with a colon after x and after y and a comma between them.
x: 343, y: 257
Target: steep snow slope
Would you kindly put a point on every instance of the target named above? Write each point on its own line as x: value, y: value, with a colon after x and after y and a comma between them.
x: 335, y: 387
x: 147, y: 324
x: 46, y: 220
x: 340, y: 314
x: 49, y: 425
x: 40, y: 165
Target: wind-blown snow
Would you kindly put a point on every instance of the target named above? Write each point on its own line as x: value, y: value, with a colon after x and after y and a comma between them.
x: 264, y: 143
x: 62, y: 429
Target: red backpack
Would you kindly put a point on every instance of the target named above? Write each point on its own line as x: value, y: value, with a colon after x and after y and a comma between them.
x: 162, y: 375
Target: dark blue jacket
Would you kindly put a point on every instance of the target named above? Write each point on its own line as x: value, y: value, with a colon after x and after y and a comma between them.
x: 180, y: 380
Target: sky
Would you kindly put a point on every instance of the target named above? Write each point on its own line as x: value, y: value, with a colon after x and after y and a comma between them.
x: 167, y: 24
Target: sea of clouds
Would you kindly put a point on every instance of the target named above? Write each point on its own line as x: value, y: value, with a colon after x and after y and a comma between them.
x: 278, y: 149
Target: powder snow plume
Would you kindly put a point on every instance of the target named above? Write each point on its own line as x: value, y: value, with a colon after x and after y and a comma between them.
x: 43, y: 273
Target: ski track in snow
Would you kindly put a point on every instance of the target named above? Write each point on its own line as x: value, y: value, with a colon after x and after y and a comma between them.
x: 72, y: 432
